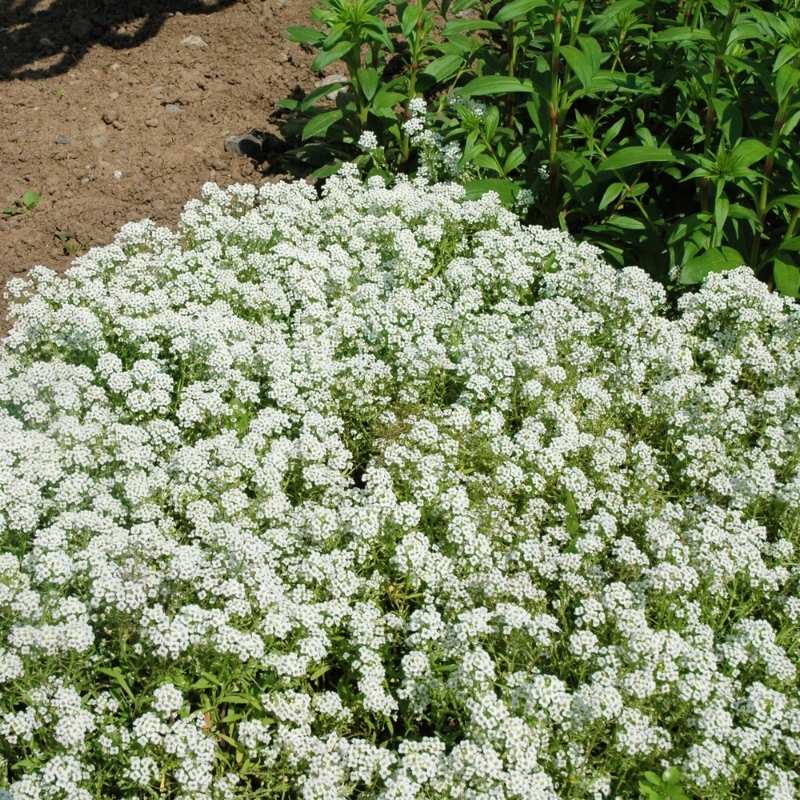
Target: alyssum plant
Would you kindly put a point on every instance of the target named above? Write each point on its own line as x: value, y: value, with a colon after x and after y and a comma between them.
x: 663, y: 131
x: 383, y: 495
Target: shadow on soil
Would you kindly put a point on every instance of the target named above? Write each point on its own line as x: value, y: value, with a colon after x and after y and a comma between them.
x: 65, y: 30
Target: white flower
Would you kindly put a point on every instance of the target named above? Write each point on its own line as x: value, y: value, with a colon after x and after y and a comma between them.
x: 168, y: 699
x: 417, y: 107
x: 368, y: 141
x: 409, y: 499
x: 414, y: 126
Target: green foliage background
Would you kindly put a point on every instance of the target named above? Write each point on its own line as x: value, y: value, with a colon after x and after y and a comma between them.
x: 664, y: 131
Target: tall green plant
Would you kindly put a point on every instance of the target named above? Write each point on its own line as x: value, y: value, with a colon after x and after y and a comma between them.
x: 367, y: 97
x: 664, y: 131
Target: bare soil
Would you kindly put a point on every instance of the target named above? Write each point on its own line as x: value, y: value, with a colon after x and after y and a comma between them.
x: 111, y: 113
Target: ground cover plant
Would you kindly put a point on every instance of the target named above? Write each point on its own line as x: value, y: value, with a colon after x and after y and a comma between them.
x: 663, y: 131
x: 381, y: 494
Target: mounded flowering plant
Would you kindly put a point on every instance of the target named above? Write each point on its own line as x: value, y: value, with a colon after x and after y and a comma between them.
x: 380, y: 494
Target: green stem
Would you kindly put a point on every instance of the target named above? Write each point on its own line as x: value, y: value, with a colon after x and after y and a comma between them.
x: 512, y: 50
x: 555, y: 97
x: 512, y: 68
x: 575, y: 27
x: 710, y: 115
x: 353, y: 62
x: 417, y: 50
x: 761, y: 210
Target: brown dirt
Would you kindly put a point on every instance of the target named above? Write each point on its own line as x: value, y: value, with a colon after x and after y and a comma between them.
x: 108, y: 115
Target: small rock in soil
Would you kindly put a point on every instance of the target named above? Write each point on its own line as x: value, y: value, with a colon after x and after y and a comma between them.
x: 193, y: 41
x: 98, y: 136
x: 244, y: 145
x: 61, y: 139
x: 172, y: 108
x: 151, y: 123
x: 109, y: 117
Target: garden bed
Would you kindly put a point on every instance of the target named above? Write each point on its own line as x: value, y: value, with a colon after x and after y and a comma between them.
x: 130, y: 120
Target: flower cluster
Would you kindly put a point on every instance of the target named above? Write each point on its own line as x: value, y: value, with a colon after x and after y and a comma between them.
x: 381, y: 494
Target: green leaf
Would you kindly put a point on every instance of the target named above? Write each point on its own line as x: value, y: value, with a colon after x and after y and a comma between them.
x: 31, y: 199
x: 745, y: 30
x: 376, y: 31
x: 319, y: 671
x: 386, y: 100
x: 490, y: 121
x: 495, y: 84
x: 683, y: 34
x: 631, y: 156
x: 612, y: 133
x: 304, y: 35
x: 457, y: 26
x: 790, y: 123
x: 612, y: 192
x: 514, y: 159
x: 790, y: 245
x: 116, y: 674
x: 737, y: 211
x: 580, y: 64
x: 318, y: 125
x: 747, y: 152
x: 517, y: 8
x: 609, y: 19
x: 572, y: 522
x: 410, y: 18
x: 785, y: 55
x: 506, y: 189
x: 369, y: 81
x: 586, y: 62
x: 792, y: 200
x: 444, y: 67
x: 240, y: 699
x: 316, y: 94
x: 335, y: 34
x: 786, y: 81
x: 329, y: 56
x: 717, y: 259
x: 538, y: 112
x: 787, y: 278
x: 626, y: 223
x: 485, y: 161
x: 671, y: 775
x: 327, y: 170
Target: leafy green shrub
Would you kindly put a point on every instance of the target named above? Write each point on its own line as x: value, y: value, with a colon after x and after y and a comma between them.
x: 665, y: 132
x: 384, y: 495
